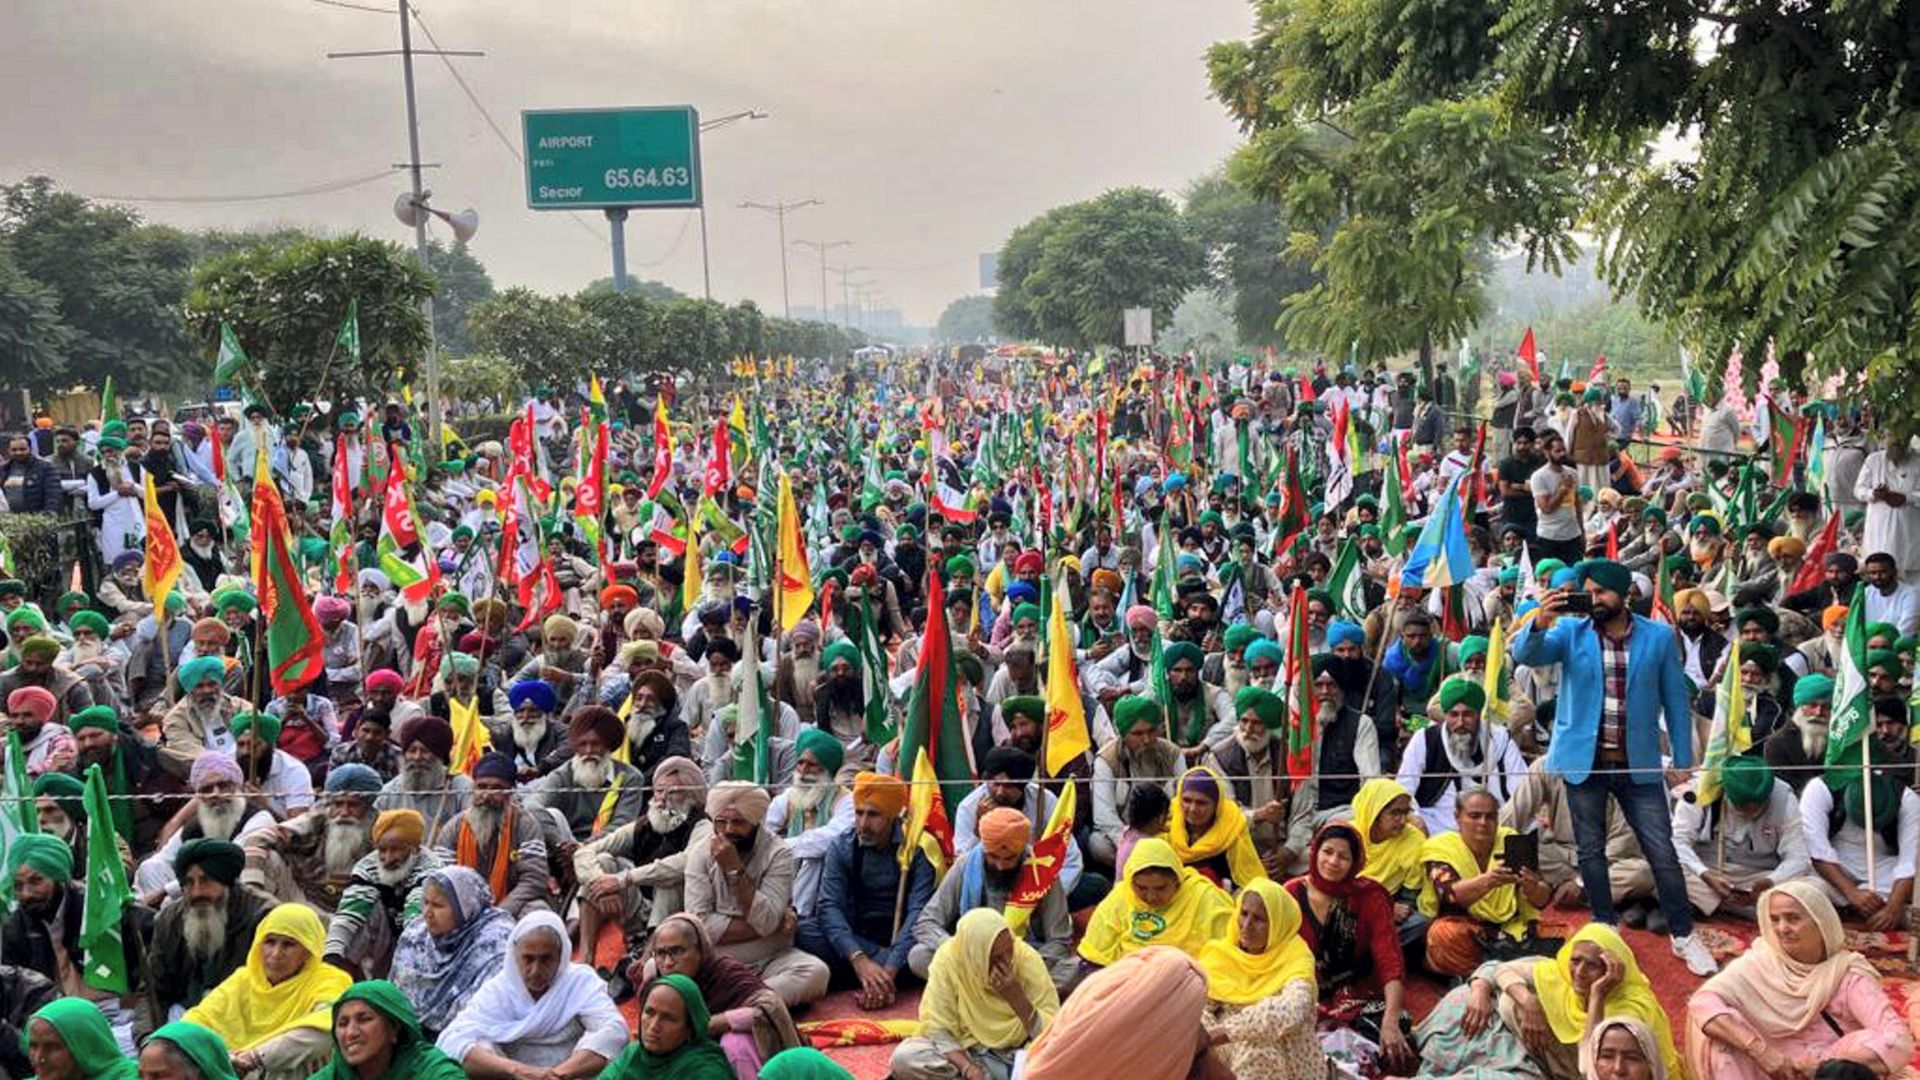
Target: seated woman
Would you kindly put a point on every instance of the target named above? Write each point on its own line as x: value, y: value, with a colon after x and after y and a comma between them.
x: 1210, y: 832
x: 1140, y: 1018
x: 1471, y: 895
x: 70, y: 1039
x: 183, y: 1051
x: 377, y: 1037
x: 749, y: 1019
x: 1260, y: 991
x: 674, y: 1044
x: 1163, y: 902
x: 1622, y: 1049
x: 988, y: 995
x: 457, y: 942
x: 274, y: 1013
x: 1346, y: 919
x: 1795, y: 999
x: 539, y: 1011
x: 803, y: 1063
x: 1527, y: 1018
x: 1383, y: 815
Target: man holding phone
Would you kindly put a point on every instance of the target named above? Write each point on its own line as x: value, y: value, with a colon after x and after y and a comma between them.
x: 1620, y: 676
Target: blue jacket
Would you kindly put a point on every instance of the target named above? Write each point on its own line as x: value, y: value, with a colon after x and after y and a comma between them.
x: 858, y: 889
x: 1655, y: 684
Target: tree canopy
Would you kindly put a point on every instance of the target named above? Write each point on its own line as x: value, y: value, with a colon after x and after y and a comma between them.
x: 966, y: 320
x: 1068, y: 276
x: 1248, y: 267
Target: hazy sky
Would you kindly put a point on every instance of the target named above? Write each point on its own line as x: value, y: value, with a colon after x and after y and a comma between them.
x: 929, y: 130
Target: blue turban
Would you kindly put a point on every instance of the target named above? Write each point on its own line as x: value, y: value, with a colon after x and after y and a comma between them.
x: 1342, y: 632
x: 353, y: 778
x: 536, y: 691
x: 1263, y: 650
x: 1023, y: 592
x: 199, y: 670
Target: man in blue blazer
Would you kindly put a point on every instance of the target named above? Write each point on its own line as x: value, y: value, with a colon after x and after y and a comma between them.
x: 1619, y: 673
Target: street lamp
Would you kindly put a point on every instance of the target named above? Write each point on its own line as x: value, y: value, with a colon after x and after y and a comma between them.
x: 780, y: 211
x: 846, y: 307
x: 706, y: 267
x: 822, y: 247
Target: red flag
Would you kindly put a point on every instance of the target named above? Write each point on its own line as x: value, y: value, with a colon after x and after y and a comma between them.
x: 1531, y: 355
x: 662, y: 449
x: 939, y: 506
x: 1306, y: 389
x: 1599, y: 369
x: 720, y: 465
x: 1613, y: 539
x: 219, y: 454
x: 549, y: 599
x: 1303, y: 722
x: 1479, y: 472
x: 1814, y: 570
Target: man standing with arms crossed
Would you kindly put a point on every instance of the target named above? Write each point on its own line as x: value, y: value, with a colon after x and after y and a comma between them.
x: 1619, y: 673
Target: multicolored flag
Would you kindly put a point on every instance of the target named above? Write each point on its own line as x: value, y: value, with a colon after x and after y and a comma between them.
x: 933, y: 724
x: 1732, y: 732
x: 1347, y: 582
x: 1852, y: 699
x: 402, y: 556
x: 231, y: 359
x: 1440, y: 557
x: 160, y: 567
x: 103, y: 951
x: 1303, y: 721
x: 662, y: 448
x: 1043, y: 864
x: 1530, y: 355
x: 340, y: 533
x: 720, y: 463
x: 1813, y: 569
x: 1067, y: 736
x: 794, y: 598
x: 863, y: 628
x: 928, y: 830
x: 754, y: 715
x: 296, y: 649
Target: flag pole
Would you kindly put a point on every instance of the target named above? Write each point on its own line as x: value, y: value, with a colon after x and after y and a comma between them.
x: 1866, y: 799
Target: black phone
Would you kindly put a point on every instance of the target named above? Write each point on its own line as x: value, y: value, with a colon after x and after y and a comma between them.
x: 1522, y: 852
x: 1577, y: 603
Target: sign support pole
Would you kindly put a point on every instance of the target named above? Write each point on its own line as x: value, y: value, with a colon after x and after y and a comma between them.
x: 617, y: 225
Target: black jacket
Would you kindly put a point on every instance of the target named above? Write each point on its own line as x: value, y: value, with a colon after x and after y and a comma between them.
x: 25, y: 940
x: 39, y: 491
x: 174, y: 975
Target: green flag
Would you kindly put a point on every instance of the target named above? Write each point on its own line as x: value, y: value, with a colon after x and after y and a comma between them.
x: 1393, y: 510
x: 1163, y: 591
x: 232, y: 359
x: 348, y: 340
x: 109, y: 404
x: 1348, y: 582
x: 103, y: 953
x: 17, y: 813
x: 933, y: 710
x: 755, y: 719
x: 1852, y: 698
x: 862, y: 628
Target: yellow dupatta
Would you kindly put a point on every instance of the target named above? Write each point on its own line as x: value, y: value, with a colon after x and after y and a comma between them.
x: 1229, y: 835
x: 1199, y: 911
x: 246, y: 1009
x: 1238, y: 977
x: 1566, y: 1008
x: 958, y: 999
x: 1502, y: 907
x: 1395, y: 863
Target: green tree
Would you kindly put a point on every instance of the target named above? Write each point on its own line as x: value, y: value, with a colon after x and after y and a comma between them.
x: 1018, y: 258
x: 1126, y: 248
x: 460, y: 283
x: 629, y: 324
x: 553, y: 341
x: 642, y: 287
x: 475, y: 377
x: 1247, y: 262
x: 116, y: 283
x: 33, y: 339
x: 966, y: 320
x: 286, y: 302
x: 1380, y: 134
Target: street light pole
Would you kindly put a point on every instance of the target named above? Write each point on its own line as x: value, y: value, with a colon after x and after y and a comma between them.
x: 822, y: 247
x: 780, y: 210
x: 706, y: 267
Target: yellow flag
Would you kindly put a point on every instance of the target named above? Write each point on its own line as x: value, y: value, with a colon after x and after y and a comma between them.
x: 1066, y: 717
x: 1044, y: 863
x: 161, y: 566
x: 795, y: 595
x: 470, y: 737
x: 690, y: 581
x: 1496, y: 658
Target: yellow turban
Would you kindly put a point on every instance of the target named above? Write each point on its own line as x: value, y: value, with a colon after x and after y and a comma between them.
x: 886, y: 793
x: 408, y: 825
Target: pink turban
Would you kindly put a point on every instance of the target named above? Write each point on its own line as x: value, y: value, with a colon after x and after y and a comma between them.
x: 36, y: 701
x: 212, y: 766
x: 1142, y: 617
x: 330, y: 608
x: 385, y: 679
x: 680, y: 772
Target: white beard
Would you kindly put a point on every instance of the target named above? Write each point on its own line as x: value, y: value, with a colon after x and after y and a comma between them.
x: 398, y: 875
x: 205, y: 930
x: 346, y: 842
x: 1255, y: 746
x: 80, y: 652
x: 806, y: 796
x: 526, y: 735
x: 664, y: 819
x: 1236, y: 678
x: 62, y: 829
x: 429, y: 778
x: 591, y: 772
x: 203, y: 552
x: 220, y: 818
x: 805, y: 670
x: 1813, y: 737
x: 486, y: 820
x: 640, y: 725
x: 720, y: 691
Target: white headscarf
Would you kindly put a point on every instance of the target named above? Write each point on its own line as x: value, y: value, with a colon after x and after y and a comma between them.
x: 502, y: 1011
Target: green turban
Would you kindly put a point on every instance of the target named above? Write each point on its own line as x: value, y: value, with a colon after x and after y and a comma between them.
x: 206, y: 1050
x: 1765, y: 616
x: 40, y: 648
x: 1471, y: 646
x: 1462, y: 691
x: 263, y: 726
x: 1177, y: 651
x: 70, y: 602
x: 458, y: 601
x: 970, y: 666
x: 234, y: 600
x: 840, y: 650
x: 1546, y: 568
x: 1023, y: 612
x: 1885, y: 659
x: 1747, y: 780
x: 960, y: 566
x: 1027, y: 705
x: 1607, y: 574
x: 1239, y: 636
x: 1706, y: 523
x: 1128, y: 712
x: 25, y: 616
x: 89, y: 620
x: 459, y: 663
x: 96, y: 716
x: 1261, y: 702
x: 67, y: 792
x: 1654, y: 513
x: 222, y: 860
x: 830, y: 752
x: 199, y: 670
x: 1764, y: 657
x: 43, y: 854
x: 1883, y: 630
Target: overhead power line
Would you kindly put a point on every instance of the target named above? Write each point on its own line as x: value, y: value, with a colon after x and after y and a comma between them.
x: 264, y: 196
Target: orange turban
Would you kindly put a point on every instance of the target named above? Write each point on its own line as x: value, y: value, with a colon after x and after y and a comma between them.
x: 1004, y: 831
x: 1110, y: 580
x: 613, y: 594
x: 886, y: 793
x: 408, y: 825
x: 1832, y: 616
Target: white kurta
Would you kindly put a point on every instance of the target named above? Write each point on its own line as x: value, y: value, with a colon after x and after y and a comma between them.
x: 1894, y: 530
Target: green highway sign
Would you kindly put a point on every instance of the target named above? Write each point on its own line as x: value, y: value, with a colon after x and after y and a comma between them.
x: 597, y: 159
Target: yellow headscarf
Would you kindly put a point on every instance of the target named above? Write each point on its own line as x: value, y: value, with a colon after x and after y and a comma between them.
x: 246, y: 1009
x: 1198, y: 912
x: 1394, y: 863
x: 1503, y: 907
x: 1229, y: 834
x: 1237, y: 977
x: 958, y: 1000
x: 1566, y: 1008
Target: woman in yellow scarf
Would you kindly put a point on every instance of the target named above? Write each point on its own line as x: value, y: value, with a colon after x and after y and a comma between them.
x: 276, y: 1014
x: 1469, y: 892
x: 1210, y: 832
x: 988, y: 995
x: 1262, y: 998
x: 1529, y: 1017
x: 1162, y: 902
x: 1383, y: 812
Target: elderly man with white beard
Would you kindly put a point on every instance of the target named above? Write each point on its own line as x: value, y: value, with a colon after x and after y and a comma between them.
x: 384, y: 895
x: 1798, y: 751
x: 531, y: 736
x: 498, y: 840
x: 635, y: 875
x: 1463, y: 752
x: 218, y: 811
x: 798, y: 671
x: 311, y: 857
x: 576, y: 790
x: 96, y: 657
x: 654, y: 731
x: 60, y: 805
x: 426, y: 785
x: 203, y: 717
x: 716, y: 689
x: 202, y: 935
x: 811, y: 811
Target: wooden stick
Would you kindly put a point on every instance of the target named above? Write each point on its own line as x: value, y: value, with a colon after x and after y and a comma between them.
x: 1866, y: 798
